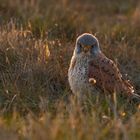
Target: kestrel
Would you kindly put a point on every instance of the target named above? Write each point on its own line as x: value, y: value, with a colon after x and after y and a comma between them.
x: 91, y: 71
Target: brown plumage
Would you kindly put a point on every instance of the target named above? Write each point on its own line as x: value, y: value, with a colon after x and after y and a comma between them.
x: 108, y: 76
x: 91, y: 71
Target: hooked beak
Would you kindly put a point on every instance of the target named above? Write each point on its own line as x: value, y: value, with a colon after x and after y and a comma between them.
x: 86, y: 48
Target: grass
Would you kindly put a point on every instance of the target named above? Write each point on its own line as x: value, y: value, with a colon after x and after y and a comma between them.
x: 36, y: 43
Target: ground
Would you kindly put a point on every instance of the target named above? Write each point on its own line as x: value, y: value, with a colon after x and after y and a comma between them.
x: 36, y: 43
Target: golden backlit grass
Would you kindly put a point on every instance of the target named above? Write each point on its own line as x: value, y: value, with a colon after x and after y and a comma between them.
x: 36, y: 43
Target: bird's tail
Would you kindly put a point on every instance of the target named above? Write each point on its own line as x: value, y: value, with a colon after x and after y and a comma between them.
x: 130, y: 91
x: 135, y: 97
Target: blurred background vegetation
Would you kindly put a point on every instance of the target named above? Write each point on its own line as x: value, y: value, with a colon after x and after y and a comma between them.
x: 37, y: 39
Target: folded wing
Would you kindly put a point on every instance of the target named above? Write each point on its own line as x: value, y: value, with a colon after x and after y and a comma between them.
x: 108, y: 77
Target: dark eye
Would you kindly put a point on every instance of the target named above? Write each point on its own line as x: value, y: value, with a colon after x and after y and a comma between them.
x: 79, y: 47
x: 92, y: 46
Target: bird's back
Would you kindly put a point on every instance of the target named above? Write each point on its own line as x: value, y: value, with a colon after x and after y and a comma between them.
x: 108, y: 76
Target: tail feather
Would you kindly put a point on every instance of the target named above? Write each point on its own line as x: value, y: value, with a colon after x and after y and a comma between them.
x: 135, y: 97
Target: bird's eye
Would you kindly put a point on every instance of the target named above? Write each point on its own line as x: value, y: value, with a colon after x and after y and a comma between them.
x: 92, y: 48
x: 79, y: 48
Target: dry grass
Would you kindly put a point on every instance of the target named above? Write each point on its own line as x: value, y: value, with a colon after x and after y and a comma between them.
x: 36, y: 43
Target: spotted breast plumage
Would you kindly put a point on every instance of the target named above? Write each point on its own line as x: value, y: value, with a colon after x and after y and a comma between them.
x: 91, y: 71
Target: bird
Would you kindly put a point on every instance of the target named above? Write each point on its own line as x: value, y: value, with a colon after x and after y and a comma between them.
x: 91, y: 71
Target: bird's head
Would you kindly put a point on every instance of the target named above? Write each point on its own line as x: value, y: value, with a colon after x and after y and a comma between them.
x: 87, y: 45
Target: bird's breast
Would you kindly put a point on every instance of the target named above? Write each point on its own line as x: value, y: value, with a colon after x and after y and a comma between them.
x: 78, y: 76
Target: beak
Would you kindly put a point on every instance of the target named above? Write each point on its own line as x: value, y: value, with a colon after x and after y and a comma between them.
x: 86, y: 48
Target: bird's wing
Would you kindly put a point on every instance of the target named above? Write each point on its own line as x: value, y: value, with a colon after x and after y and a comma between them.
x: 108, y: 76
